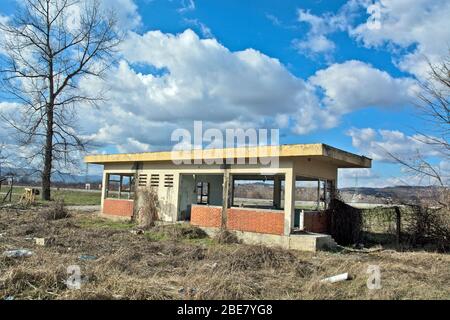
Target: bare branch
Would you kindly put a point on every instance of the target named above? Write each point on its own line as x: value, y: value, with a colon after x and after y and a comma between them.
x: 46, y: 59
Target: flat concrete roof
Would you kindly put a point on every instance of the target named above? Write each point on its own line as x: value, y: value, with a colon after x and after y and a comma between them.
x: 341, y: 158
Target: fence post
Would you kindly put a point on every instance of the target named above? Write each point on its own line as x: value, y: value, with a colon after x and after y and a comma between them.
x: 398, y: 224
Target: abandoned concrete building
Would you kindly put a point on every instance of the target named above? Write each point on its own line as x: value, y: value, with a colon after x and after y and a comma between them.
x: 201, y: 187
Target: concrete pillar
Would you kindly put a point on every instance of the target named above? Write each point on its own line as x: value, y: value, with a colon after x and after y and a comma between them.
x: 232, y: 191
x: 225, y: 197
x: 301, y: 224
x: 277, y: 192
x: 318, y: 194
x: 176, y: 196
x: 104, y: 186
x: 289, y: 201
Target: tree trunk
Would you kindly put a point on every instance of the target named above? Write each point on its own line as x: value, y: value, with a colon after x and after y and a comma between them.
x: 48, y: 150
x: 50, y: 107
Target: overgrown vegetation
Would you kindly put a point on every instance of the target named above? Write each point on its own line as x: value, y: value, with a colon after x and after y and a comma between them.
x: 181, y: 262
x: 55, y: 211
x: 145, y: 207
x: 226, y: 237
x: 345, y: 222
x: 428, y: 227
x: 420, y: 227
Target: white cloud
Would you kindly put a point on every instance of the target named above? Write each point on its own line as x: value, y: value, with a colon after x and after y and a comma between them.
x: 202, y: 80
x: 274, y: 19
x: 127, y: 13
x: 378, y: 144
x: 133, y: 145
x: 186, y: 5
x: 404, y: 23
x: 357, y: 174
x: 354, y: 84
x: 203, y: 28
x: 317, y: 39
x: 413, y: 31
x: 314, y: 44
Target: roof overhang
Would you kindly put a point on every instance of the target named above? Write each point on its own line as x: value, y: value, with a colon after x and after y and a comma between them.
x: 341, y: 158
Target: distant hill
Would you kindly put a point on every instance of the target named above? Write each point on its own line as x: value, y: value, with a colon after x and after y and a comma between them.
x: 396, y: 194
x: 29, y: 176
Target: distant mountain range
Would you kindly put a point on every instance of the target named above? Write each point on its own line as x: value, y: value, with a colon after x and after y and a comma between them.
x: 29, y: 175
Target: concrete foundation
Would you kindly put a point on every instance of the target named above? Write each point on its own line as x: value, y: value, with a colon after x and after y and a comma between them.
x: 303, y: 242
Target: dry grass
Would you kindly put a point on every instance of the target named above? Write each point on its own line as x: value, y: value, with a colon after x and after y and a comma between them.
x: 174, y: 262
x: 55, y: 211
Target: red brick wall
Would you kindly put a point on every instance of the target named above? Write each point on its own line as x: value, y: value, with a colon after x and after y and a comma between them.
x: 315, y: 222
x: 259, y: 221
x: 206, y: 216
x: 116, y: 207
x: 256, y: 221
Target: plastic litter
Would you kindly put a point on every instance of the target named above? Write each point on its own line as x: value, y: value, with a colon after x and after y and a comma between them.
x: 87, y: 257
x: 336, y: 278
x: 19, y: 253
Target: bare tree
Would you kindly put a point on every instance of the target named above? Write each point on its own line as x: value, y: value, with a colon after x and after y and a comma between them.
x: 4, y: 157
x: 50, y: 45
x: 434, y: 110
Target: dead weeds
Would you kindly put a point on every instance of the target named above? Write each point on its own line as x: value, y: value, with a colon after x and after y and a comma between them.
x: 180, y: 261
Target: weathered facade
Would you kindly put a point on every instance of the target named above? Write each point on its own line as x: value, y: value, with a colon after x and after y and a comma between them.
x: 201, y: 189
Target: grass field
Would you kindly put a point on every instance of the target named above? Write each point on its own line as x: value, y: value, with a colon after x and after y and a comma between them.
x: 70, y: 196
x: 182, y: 262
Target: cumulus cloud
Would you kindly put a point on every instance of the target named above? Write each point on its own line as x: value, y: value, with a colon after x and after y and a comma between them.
x: 354, y: 84
x: 378, y: 144
x: 415, y: 32
x: 317, y: 39
x: 197, y: 79
x: 127, y: 13
x: 421, y: 24
x: 200, y: 79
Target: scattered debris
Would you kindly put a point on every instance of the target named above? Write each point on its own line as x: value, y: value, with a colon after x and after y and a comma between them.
x: 19, y: 253
x: 87, y: 257
x: 44, y: 241
x: 138, y: 231
x: 212, y: 265
x: 191, y: 291
x: 336, y: 278
x: 362, y: 250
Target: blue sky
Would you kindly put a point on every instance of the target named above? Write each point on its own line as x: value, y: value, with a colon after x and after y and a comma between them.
x: 335, y: 80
